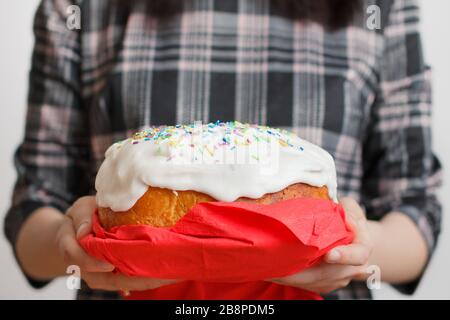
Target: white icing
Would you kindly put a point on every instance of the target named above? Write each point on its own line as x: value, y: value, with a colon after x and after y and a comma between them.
x: 223, y: 160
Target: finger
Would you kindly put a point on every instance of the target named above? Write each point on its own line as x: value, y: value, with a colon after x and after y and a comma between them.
x: 353, y: 254
x: 319, y: 275
x: 363, y: 274
x: 75, y: 255
x: 304, y: 277
x: 99, y: 281
x: 116, y: 282
x: 352, y: 208
x: 81, y: 214
x: 361, y: 231
x: 124, y: 282
x: 357, y: 221
x: 339, y: 284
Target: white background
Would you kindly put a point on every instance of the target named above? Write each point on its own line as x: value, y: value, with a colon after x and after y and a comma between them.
x: 16, y: 43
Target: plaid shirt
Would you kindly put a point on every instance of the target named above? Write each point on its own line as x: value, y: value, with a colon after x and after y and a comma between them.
x: 362, y: 95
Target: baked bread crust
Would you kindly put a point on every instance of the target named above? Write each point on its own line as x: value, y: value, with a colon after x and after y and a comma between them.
x: 160, y: 207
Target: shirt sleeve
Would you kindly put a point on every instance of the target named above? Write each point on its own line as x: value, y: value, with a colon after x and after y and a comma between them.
x: 52, y: 160
x: 401, y: 173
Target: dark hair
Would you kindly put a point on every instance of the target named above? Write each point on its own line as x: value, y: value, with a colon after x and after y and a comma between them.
x: 332, y: 14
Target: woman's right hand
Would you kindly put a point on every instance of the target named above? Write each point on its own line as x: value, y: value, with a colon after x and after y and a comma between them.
x: 96, y: 273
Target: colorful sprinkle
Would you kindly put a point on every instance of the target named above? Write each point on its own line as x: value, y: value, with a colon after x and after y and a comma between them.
x: 212, y: 137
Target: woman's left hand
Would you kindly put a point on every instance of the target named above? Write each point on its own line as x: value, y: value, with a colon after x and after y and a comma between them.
x: 342, y: 264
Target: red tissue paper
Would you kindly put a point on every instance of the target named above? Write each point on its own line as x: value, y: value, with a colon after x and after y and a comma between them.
x: 225, y: 250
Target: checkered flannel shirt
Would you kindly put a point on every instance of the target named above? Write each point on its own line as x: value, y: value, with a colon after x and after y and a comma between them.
x: 363, y: 95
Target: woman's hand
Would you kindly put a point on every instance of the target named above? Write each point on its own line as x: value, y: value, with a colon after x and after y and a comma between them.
x: 342, y: 264
x: 97, y: 274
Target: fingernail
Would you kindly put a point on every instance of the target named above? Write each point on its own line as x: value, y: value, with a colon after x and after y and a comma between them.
x: 82, y: 228
x: 334, y: 256
x: 105, y: 266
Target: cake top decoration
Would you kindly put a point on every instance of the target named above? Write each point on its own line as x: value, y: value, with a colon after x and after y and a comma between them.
x: 210, y: 139
x: 225, y: 160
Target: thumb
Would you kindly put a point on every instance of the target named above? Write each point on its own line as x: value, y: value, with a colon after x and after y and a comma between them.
x: 81, y: 215
x: 356, y: 220
x: 83, y: 229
